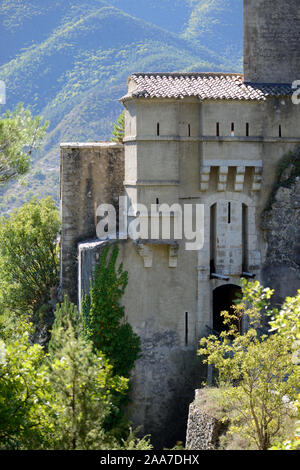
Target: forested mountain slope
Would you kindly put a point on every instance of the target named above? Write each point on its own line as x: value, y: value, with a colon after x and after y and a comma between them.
x: 69, y: 60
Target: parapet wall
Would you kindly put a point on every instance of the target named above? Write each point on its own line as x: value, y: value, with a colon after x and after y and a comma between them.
x: 91, y: 174
x: 206, y: 423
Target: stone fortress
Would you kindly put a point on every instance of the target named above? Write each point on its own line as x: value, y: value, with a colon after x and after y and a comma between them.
x: 193, y: 138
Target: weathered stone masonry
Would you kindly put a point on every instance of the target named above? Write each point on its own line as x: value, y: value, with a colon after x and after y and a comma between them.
x: 272, y: 38
x: 91, y: 174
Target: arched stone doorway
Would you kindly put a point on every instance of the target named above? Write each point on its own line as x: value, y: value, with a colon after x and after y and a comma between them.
x: 223, y: 299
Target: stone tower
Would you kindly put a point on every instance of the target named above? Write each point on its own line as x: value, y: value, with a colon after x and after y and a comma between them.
x: 271, y: 41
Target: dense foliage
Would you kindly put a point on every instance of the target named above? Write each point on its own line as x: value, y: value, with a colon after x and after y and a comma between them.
x: 29, y: 260
x: 70, y: 398
x: 286, y: 323
x: 104, y: 317
x: 25, y: 391
x: 256, y: 372
x: 82, y: 383
x: 60, y: 400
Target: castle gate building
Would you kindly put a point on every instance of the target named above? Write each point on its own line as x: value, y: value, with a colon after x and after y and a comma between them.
x: 209, y: 139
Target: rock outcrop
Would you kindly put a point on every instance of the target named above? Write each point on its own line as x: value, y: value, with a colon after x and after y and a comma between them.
x: 281, y: 222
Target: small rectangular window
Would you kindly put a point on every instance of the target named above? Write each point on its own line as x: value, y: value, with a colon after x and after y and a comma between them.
x: 186, y: 328
x: 189, y: 130
x: 247, y: 129
x: 218, y: 129
x: 232, y: 129
x: 245, y: 237
x: 157, y: 129
x: 280, y: 131
x: 229, y: 212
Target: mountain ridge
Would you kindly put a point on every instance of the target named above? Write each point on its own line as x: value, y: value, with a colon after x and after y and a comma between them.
x: 75, y: 75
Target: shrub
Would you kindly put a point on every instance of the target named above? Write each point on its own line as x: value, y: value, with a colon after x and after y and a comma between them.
x: 257, y: 373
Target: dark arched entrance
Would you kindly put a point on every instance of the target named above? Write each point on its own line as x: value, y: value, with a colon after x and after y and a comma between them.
x: 223, y: 299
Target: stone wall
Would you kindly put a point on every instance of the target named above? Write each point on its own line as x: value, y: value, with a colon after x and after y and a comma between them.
x: 166, y: 375
x: 205, y: 425
x: 271, y: 41
x: 91, y: 174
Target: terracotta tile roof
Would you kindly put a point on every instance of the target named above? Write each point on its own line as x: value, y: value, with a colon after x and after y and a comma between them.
x: 216, y: 86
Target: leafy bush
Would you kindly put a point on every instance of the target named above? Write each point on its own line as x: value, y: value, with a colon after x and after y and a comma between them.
x: 256, y: 372
x: 286, y: 323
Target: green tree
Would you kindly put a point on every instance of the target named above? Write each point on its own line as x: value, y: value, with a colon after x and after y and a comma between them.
x: 66, y: 314
x: 82, y: 382
x: 286, y: 323
x: 20, y: 134
x: 56, y: 401
x: 119, y: 129
x: 29, y: 260
x: 255, y: 372
x: 25, y: 392
x: 84, y: 388
x: 103, y: 318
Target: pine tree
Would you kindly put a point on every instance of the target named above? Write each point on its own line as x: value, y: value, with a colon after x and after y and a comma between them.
x: 20, y: 134
x: 86, y: 409
x: 83, y: 383
x: 119, y: 129
x: 65, y: 314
